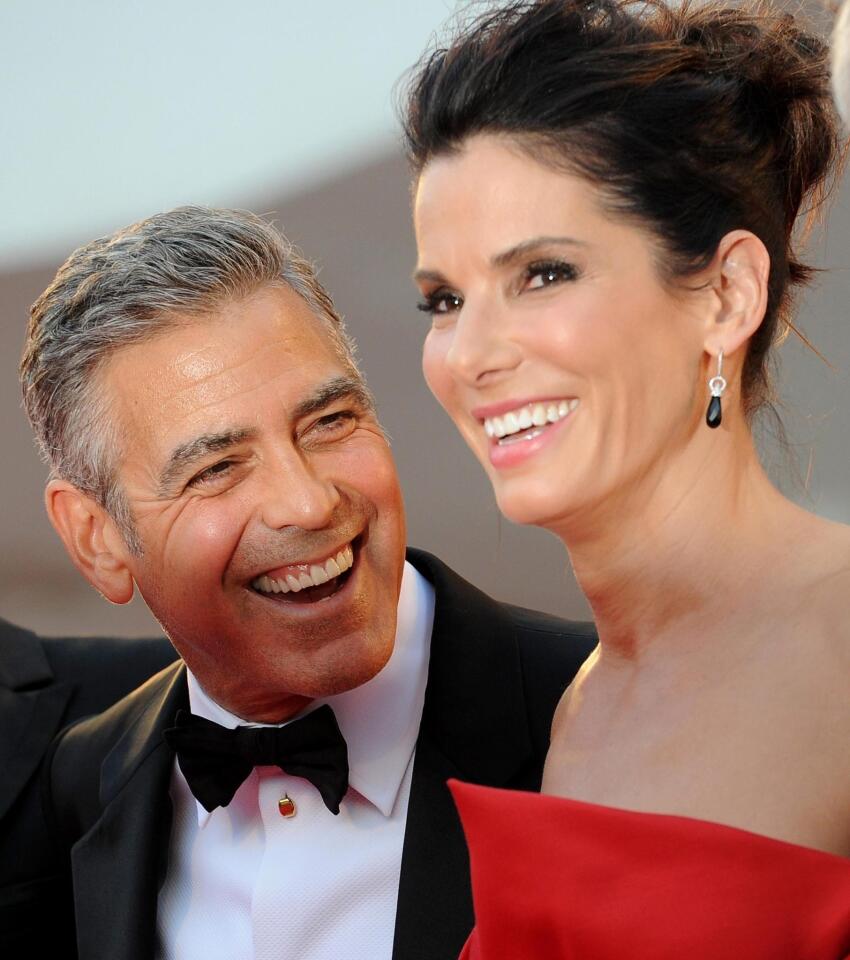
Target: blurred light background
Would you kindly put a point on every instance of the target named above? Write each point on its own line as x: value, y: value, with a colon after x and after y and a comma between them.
x: 114, y: 110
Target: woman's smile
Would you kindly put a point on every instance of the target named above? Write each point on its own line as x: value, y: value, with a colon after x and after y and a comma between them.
x: 516, y: 431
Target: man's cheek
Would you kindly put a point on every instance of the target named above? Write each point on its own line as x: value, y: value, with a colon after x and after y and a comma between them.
x: 371, y: 470
x: 216, y: 522
x: 200, y: 545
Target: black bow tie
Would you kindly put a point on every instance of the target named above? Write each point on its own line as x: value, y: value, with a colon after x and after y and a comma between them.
x: 215, y: 761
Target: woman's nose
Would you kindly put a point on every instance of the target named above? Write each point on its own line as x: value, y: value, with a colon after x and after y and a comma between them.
x: 481, y: 348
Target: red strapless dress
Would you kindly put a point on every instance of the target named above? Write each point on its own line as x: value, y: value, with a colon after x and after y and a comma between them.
x: 557, y: 879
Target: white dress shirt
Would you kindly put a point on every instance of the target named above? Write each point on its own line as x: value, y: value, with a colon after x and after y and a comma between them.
x: 245, y: 883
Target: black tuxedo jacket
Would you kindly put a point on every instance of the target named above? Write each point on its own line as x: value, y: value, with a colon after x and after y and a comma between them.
x: 495, y: 676
x: 46, y: 683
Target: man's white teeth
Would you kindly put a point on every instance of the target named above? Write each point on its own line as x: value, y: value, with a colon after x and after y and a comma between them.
x: 318, y: 574
x: 531, y: 415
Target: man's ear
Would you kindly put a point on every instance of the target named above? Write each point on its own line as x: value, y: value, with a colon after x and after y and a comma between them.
x: 92, y: 539
x: 739, y: 275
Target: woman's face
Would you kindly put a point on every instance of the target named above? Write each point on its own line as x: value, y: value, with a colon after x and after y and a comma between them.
x: 573, y: 372
x: 841, y: 62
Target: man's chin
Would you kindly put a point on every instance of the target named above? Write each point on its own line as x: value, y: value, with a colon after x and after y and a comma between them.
x: 354, y: 672
x: 271, y: 700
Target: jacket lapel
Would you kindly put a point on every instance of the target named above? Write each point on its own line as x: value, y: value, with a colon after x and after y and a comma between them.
x: 30, y: 710
x: 119, y: 863
x: 474, y: 727
x: 434, y: 911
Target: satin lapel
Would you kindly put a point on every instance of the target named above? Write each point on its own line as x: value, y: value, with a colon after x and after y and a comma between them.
x: 474, y: 727
x: 119, y: 864
x: 434, y: 912
x: 29, y: 720
x: 475, y: 710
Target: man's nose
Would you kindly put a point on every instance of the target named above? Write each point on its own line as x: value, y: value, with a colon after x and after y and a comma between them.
x: 482, y: 348
x: 298, y: 496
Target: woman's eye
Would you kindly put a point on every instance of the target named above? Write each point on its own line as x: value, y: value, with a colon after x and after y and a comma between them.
x: 440, y: 301
x: 538, y: 275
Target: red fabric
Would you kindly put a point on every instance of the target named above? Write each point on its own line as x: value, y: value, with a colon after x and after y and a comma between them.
x: 557, y: 879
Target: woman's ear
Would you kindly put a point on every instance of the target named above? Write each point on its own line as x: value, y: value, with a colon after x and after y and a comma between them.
x: 92, y: 539
x: 739, y: 277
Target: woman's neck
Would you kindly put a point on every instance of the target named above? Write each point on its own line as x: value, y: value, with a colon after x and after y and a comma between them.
x: 682, y: 552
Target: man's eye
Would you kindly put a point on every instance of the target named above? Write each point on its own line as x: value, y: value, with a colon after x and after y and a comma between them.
x: 547, y: 273
x: 211, y: 473
x: 336, y: 422
x: 440, y: 301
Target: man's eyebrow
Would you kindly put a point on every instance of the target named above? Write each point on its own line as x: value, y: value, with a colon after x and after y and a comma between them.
x: 186, y: 454
x: 340, y: 388
x: 506, y: 257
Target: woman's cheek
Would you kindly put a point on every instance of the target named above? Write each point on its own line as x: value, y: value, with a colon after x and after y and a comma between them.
x: 435, y: 368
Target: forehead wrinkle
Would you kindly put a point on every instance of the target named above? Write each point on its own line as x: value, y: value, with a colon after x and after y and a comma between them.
x: 230, y: 372
x: 195, y: 363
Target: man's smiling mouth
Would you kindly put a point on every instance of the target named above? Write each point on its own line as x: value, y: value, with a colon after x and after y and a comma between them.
x: 307, y: 583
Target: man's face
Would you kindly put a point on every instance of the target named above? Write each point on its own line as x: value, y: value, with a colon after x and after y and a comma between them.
x: 254, y: 466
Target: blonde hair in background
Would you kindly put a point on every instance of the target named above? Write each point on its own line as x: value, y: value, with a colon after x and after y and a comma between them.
x: 841, y: 62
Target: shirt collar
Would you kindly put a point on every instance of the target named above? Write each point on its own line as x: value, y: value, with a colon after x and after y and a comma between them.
x: 380, y: 719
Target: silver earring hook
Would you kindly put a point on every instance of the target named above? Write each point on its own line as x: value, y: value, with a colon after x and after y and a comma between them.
x: 717, y: 384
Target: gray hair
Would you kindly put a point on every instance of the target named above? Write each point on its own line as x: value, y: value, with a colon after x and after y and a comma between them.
x: 127, y: 288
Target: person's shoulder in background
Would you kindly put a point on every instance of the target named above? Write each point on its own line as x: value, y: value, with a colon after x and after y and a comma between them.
x: 102, y: 670
x: 45, y: 684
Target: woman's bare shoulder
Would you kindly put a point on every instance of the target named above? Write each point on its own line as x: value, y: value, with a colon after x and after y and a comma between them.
x: 823, y: 602
x: 831, y: 575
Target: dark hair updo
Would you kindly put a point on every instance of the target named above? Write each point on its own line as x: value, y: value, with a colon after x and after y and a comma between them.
x: 696, y: 119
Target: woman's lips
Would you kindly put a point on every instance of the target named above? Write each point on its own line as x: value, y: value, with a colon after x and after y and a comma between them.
x: 517, y: 443
x: 538, y: 413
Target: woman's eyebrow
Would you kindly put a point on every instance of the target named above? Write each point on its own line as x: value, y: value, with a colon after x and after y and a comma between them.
x: 519, y: 250
x: 506, y: 257
x: 430, y: 276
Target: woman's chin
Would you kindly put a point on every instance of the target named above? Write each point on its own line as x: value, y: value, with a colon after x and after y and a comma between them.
x: 549, y: 512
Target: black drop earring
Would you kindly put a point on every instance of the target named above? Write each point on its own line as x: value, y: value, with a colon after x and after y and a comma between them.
x: 714, y: 414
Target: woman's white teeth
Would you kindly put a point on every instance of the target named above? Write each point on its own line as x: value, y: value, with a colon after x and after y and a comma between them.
x: 531, y: 415
x: 317, y: 574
